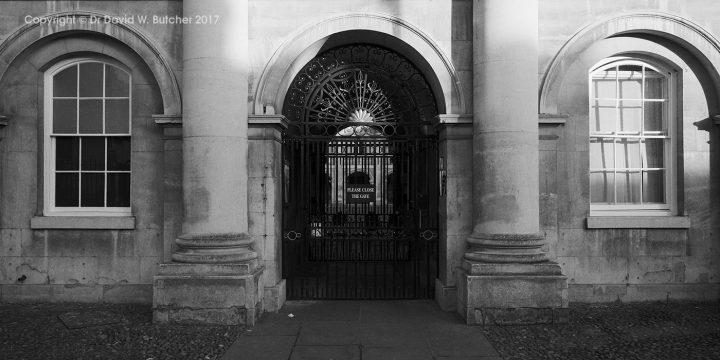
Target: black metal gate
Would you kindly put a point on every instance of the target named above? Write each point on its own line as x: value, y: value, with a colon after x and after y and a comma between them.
x: 360, y: 182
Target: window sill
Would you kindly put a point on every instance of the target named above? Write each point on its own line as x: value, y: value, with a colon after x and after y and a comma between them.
x: 83, y: 222
x: 638, y: 222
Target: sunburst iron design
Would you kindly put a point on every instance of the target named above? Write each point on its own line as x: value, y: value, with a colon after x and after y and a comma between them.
x: 353, y: 98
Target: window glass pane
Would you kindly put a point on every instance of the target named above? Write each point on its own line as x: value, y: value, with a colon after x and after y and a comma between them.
x: 93, y: 190
x: 64, y: 116
x: 117, y: 116
x: 630, y: 115
x: 91, y: 79
x: 604, y: 85
x: 629, y: 71
x: 627, y: 152
x: 65, y: 83
x: 66, y: 189
x: 118, y: 189
x: 116, y: 82
x: 601, y: 153
x: 602, y: 116
x: 627, y: 186
x: 91, y: 117
x: 654, y: 114
x: 654, y: 186
x: 93, y: 153
x: 601, y: 187
x: 655, y: 153
x: 118, y: 153
x: 630, y: 85
x: 67, y: 153
x: 654, y: 85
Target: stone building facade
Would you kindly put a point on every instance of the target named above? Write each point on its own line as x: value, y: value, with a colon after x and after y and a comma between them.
x: 506, y: 157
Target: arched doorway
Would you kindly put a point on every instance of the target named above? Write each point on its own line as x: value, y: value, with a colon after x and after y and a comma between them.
x: 360, y: 167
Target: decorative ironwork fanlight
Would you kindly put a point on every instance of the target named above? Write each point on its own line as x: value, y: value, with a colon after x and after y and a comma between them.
x: 359, y: 90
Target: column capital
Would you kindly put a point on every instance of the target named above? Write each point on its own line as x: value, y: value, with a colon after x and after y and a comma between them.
x: 3, y: 121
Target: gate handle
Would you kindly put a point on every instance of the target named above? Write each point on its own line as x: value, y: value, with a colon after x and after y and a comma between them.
x: 293, y: 235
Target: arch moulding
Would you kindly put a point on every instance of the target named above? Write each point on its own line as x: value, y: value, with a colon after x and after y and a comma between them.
x: 285, y: 62
x: 691, y: 37
x: 29, y: 34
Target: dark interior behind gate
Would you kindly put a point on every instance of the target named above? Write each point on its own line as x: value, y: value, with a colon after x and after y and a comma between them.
x: 360, y: 178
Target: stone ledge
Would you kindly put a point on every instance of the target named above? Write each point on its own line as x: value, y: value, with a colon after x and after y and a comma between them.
x: 552, y: 119
x: 184, y: 269
x: 83, y: 222
x: 115, y: 293
x: 499, y: 269
x: 638, y: 222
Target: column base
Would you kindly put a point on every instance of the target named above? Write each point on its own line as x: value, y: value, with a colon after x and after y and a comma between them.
x: 218, y: 294
x: 511, y: 294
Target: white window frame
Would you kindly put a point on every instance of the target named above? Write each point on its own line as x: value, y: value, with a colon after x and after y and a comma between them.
x: 669, y: 208
x: 49, y: 148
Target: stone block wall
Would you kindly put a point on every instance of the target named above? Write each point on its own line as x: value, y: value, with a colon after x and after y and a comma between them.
x: 627, y: 262
x: 87, y: 258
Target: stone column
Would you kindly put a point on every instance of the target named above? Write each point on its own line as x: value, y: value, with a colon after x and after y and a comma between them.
x: 506, y: 277
x: 215, y: 277
x: 215, y: 71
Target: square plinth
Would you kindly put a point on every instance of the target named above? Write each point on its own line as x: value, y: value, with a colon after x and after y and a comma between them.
x: 506, y: 298
x: 223, y: 294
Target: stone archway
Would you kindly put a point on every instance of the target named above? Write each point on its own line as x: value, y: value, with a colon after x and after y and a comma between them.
x: 29, y: 34
x: 307, y: 42
x: 699, y: 48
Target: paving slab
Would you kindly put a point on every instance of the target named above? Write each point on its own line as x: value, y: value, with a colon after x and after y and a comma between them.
x: 413, y: 329
x: 395, y: 353
x: 329, y: 333
x: 392, y: 335
x: 459, y: 341
x: 323, y: 310
x: 311, y: 352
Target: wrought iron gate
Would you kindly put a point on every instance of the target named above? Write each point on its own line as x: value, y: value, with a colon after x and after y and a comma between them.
x: 360, y: 181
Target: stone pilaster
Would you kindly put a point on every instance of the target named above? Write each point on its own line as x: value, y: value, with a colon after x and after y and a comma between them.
x: 266, y: 201
x: 172, y: 180
x: 215, y: 277
x: 506, y: 276
x: 455, y: 204
x: 3, y: 124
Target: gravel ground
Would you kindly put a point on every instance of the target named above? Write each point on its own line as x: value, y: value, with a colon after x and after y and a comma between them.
x: 612, y: 331
x: 35, y: 331
x: 675, y: 331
